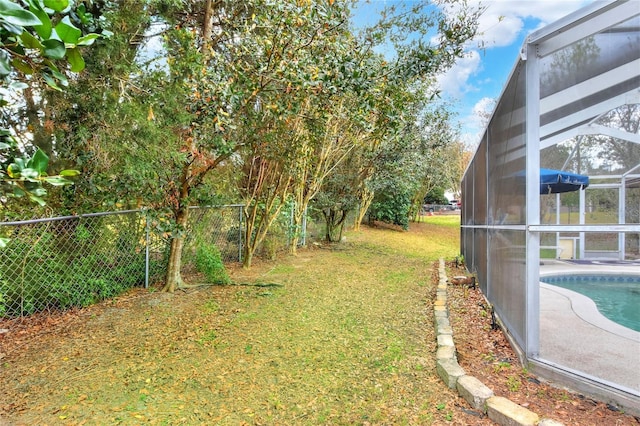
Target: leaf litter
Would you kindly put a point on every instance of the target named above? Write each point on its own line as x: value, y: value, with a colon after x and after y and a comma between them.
x: 344, y: 337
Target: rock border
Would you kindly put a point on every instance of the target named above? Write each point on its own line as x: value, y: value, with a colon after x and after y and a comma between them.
x: 499, y: 409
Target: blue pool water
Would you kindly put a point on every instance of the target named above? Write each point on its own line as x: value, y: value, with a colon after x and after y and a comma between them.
x: 616, y: 296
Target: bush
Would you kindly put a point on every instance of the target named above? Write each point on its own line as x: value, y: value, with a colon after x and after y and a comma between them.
x: 391, y: 208
x: 209, y: 262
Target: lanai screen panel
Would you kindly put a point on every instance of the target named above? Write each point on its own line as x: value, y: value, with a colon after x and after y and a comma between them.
x: 470, y: 247
x: 481, y: 258
x: 480, y: 213
x: 632, y: 215
x: 480, y: 185
x: 506, y: 207
x: 468, y: 195
x: 506, y: 155
x: 586, y: 80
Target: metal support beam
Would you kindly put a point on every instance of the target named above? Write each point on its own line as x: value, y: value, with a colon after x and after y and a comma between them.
x: 532, y: 138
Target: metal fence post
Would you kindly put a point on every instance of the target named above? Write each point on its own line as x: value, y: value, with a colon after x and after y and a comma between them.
x: 240, y: 233
x: 292, y: 230
x: 303, y: 231
x: 146, y: 251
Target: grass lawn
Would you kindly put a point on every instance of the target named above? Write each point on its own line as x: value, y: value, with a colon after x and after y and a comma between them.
x: 340, y: 334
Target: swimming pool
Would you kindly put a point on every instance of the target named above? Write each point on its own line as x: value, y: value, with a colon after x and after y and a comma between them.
x: 617, y: 297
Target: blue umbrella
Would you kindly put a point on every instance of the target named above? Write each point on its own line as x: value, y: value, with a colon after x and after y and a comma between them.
x: 556, y: 181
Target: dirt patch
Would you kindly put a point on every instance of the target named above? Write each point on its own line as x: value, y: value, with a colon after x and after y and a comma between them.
x: 484, y: 351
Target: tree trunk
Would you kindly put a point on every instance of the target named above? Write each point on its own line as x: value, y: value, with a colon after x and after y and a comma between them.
x: 365, y: 202
x: 247, y: 258
x: 207, y: 26
x: 249, y: 239
x: 327, y: 227
x: 173, y: 279
x: 298, y: 215
x: 334, y: 223
x: 257, y: 224
x: 341, y: 222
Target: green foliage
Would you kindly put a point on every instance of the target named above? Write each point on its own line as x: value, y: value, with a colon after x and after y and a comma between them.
x: 35, y: 43
x: 501, y: 365
x: 84, y: 282
x: 514, y: 383
x: 209, y: 262
x: 3, y: 308
x: 391, y: 207
x: 436, y: 196
x: 23, y: 176
x: 31, y: 44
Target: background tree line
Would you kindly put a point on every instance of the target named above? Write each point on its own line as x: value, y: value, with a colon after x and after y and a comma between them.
x: 212, y: 101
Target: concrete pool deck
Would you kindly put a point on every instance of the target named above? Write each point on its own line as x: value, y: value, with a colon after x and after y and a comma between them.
x: 574, y: 335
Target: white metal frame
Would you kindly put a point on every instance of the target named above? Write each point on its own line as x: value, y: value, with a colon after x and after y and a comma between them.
x: 595, y: 18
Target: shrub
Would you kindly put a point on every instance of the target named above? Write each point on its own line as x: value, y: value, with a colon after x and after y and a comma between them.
x: 391, y: 207
x: 44, y: 276
x: 209, y: 262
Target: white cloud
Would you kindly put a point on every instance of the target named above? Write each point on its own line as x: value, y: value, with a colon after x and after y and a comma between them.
x: 473, y: 125
x: 501, y: 24
x: 504, y: 20
x: 484, y: 107
x: 454, y: 83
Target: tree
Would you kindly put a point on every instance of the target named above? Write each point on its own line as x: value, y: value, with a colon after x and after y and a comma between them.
x: 435, y: 196
x: 34, y: 43
x: 255, y: 70
x: 443, y: 162
x: 181, y: 113
x: 266, y: 187
x: 297, y: 118
x: 339, y: 131
x: 337, y: 199
x: 407, y: 88
x: 267, y: 88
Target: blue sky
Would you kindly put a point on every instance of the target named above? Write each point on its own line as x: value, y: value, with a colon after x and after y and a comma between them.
x: 477, y: 80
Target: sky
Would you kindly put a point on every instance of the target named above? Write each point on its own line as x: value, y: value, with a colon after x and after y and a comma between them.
x: 477, y: 80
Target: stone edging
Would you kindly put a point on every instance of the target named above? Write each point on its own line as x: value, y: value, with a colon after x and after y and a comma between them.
x: 499, y: 409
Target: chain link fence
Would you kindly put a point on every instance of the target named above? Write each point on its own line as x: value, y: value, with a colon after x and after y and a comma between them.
x: 57, y: 263
x: 219, y: 226
x: 53, y: 264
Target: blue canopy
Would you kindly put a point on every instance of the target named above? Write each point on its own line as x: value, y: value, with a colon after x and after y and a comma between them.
x: 555, y: 181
